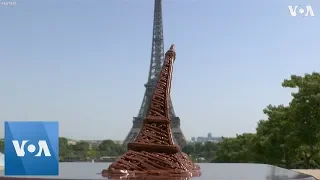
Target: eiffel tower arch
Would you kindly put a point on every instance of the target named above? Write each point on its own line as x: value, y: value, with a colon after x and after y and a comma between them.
x: 157, y: 59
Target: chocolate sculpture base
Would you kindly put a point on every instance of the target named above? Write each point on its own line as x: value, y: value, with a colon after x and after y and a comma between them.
x: 134, y: 164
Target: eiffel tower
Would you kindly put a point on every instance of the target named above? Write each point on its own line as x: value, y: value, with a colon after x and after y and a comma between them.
x: 157, y: 59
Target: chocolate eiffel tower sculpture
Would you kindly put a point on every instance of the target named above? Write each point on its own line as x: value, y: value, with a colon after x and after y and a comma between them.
x: 153, y: 152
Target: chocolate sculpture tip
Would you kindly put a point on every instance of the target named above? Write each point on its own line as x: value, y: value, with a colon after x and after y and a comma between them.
x: 172, y: 52
x: 172, y: 48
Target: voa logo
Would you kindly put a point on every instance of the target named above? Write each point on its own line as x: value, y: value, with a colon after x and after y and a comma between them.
x: 42, y: 147
x: 31, y: 148
x: 303, y: 11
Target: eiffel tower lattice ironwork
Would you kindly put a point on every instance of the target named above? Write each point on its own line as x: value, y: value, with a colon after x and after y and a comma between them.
x: 157, y: 59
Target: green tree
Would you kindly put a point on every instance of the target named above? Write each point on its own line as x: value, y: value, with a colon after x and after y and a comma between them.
x: 202, y: 152
x: 189, y: 149
x: 306, y: 113
x: 236, y: 150
x: 81, y: 146
x: 81, y: 149
x: 208, y: 150
x: 109, y: 148
x: 92, y: 154
x: 64, y: 148
x: 2, y: 146
x: 276, y: 140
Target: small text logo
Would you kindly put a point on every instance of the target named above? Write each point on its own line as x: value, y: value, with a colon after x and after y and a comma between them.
x: 8, y: 3
x: 31, y: 148
x: 303, y: 11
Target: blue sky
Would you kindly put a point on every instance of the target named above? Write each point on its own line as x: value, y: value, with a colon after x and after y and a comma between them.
x: 84, y: 63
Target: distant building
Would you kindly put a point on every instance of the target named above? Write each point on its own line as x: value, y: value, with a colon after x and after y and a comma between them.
x: 72, y: 142
x: 208, y: 138
x: 118, y: 141
x: 93, y: 142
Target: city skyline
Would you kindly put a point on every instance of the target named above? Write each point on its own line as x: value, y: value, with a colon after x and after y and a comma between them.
x: 193, y: 138
x: 84, y: 64
x: 202, y: 136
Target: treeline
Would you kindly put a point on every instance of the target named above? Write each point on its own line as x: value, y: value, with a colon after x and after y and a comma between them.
x: 289, y: 137
x: 107, y: 150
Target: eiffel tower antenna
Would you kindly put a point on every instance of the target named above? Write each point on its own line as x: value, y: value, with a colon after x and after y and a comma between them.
x: 157, y: 59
